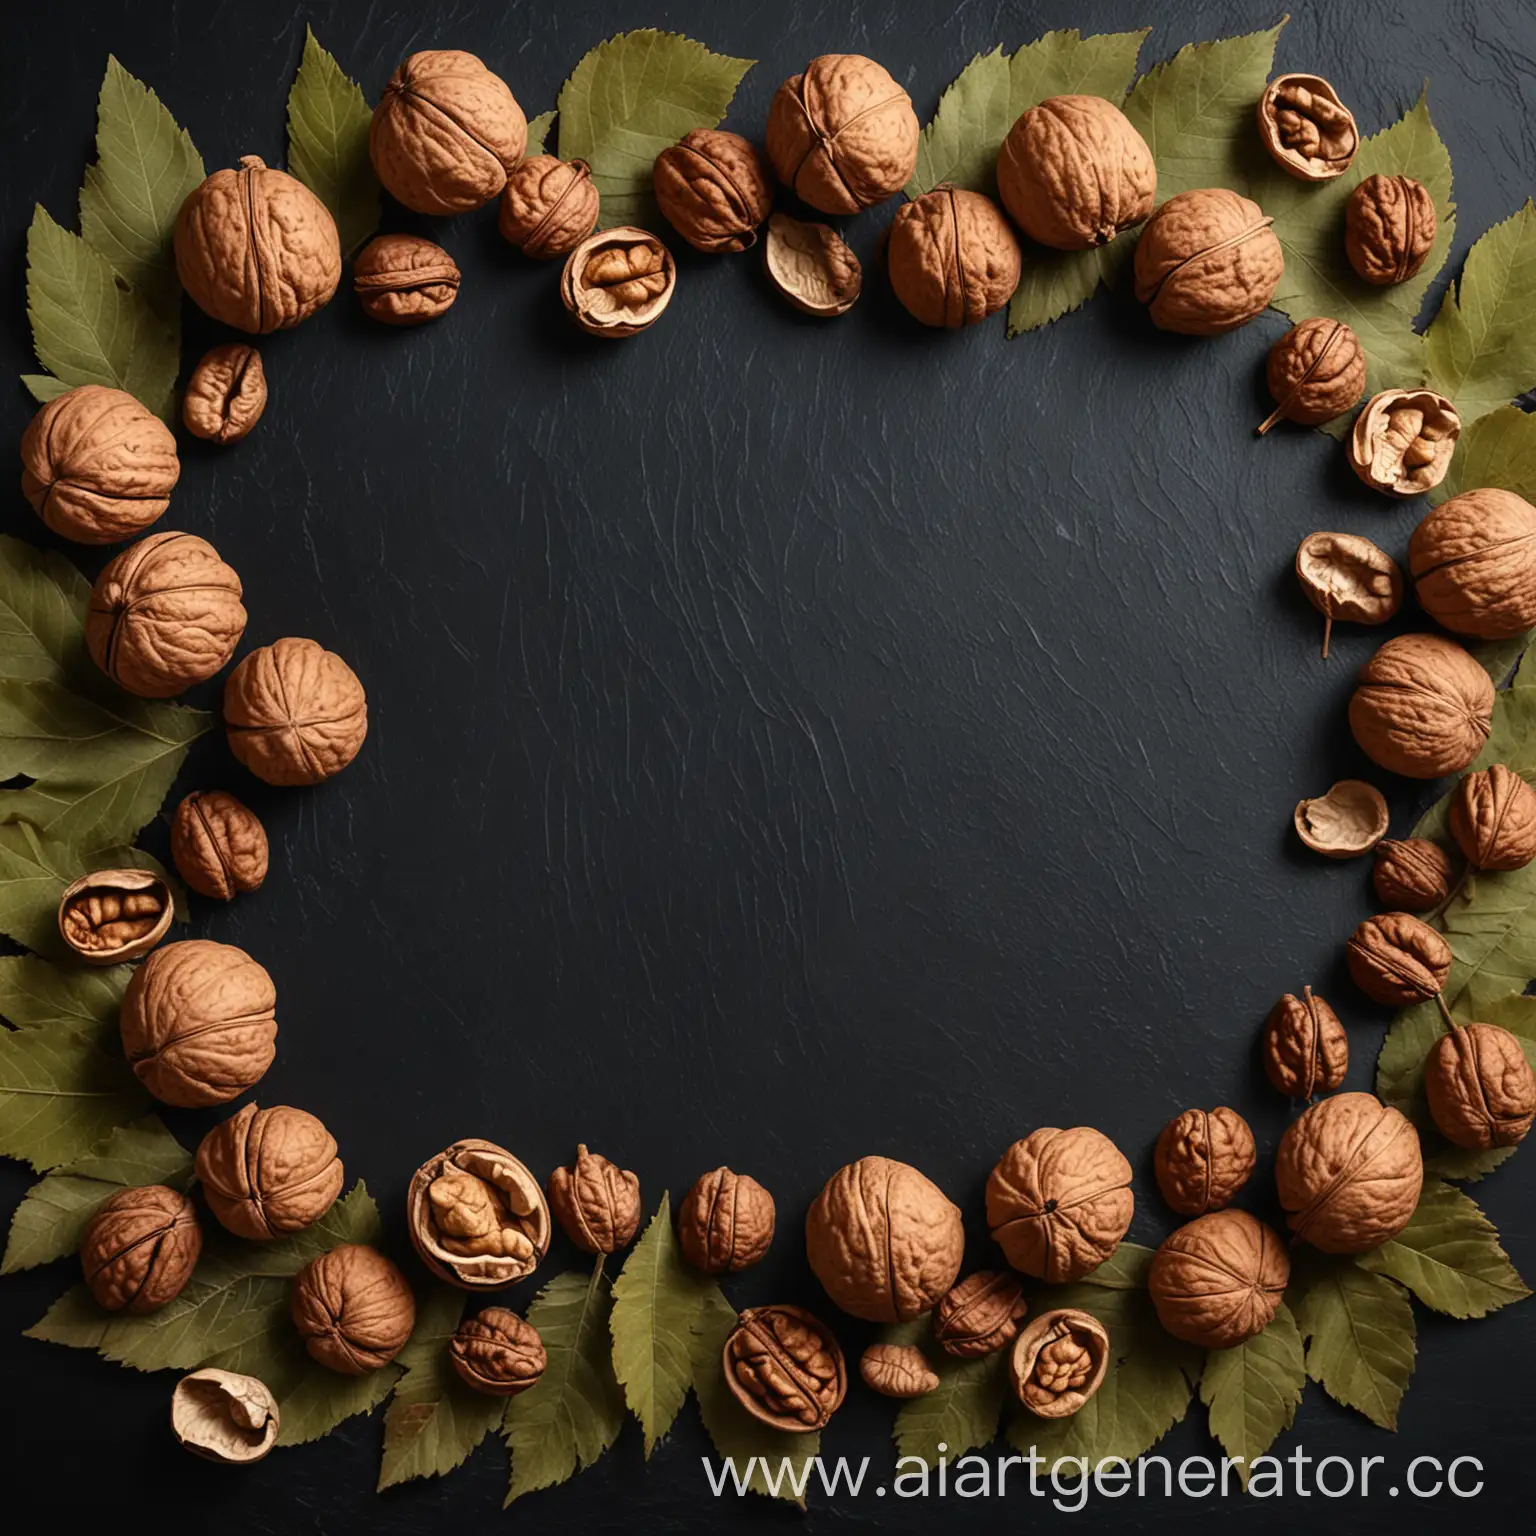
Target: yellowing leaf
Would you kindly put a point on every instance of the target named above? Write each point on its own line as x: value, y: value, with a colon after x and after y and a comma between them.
x: 43, y: 599
x: 538, y: 131
x: 328, y: 143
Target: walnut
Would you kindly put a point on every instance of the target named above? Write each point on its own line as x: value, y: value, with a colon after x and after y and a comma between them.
x: 884, y: 1241
x: 1305, y: 1049
x: 1473, y: 561
x: 1218, y: 1280
x: 1349, y: 1173
x: 812, y: 266
x: 404, y: 280
x: 477, y: 1216
x: 1207, y: 262
x: 197, y: 1023
x: 97, y: 466
x: 1480, y: 1087
x: 596, y: 1202
x: 353, y: 1309
x: 1398, y: 959
x: 219, y: 846
x: 1401, y: 443
x: 256, y: 249
x: 446, y: 133
x: 1423, y: 707
x: 785, y: 1368
x: 268, y: 1173
x: 618, y: 281
x: 226, y: 394
x: 713, y: 188
x: 139, y: 1250
x: 1411, y: 874
x: 1203, y: 1158
x: 498, y: 1353
x: 224, y: 1417
x: 1347, y: 577
x: 842, y: 135
x: 1315, y: 372
x: 1389, y: 228
x: 897, y: 1370
x: 1058, y: 1202
x: 980, y: 1315
x: 1058, y: 1362
x: 1346, y: 822
x: 113, y: 915
x: 164, y: 614
x: 1493, y: 819
x: 548, y: 206
x: 1308, y: 131
x: 1074, y: 173
x: 953, y: 259
x: 725, y: 1222
x: 295, y: 713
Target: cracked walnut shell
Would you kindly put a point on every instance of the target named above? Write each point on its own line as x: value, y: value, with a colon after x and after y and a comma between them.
x: 1203, y: 1158
x: 1412, y: 874
x: 218, y: 845
x: 1493, y: 819
x: 1389, y: 228
x: 404, y: 280
x: 1423, y: 707
x: 1480, y: 1087
x: 268, y: 1173
x: 714, y: 190
x: 953, y: 259
x: 786, y: 1368
x: 1347, y: 577
x: 1058, y: 1362
x: 1305, y: 1049
x: 1473, y: 561
x: 140, y: 1248
x: 725, y: 1222
x: 618, y: 281
x: 812, y: 266
x: 353, y: 1308
x: 477, y: 1216
x: 1402, y: 442
x: 596, y: 1202
x: 114, y: 915
x: 897, y: 1370
x: 226, y: 394
x: 1315, y: 372
x: 1307, y: 130
x: 222, y: 1416
x: 1346, y: 822
x: 295, y: 713
x: 498, y: 1353
x: 1398, y: 959
x: 980, y: 1315
x: 1217, y: 1281
x: 548, y: 206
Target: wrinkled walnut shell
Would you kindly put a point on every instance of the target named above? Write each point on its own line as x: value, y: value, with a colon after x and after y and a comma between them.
x: 953, y: 259
x: 548, y: 206
x: 1493, y: 819
x: 618, y: 281
x: 713, y: 188
x: 218, y: 845
x: 812, y: 266
x: 268, y: 1173
x: 1411, y: 875
x: 1389, y: 228
x: 1398, y: 959
x: 1315, y: 372
x: 786, y: 1368
x: 1307, y: 130
x: 1058, y: 1362
x: 498, y: 1353
x: 980, y: 1315
x: 1423, y: 708
x: 353, y: 1309
x: 1218, y: 1280
x: 897, y: 1370
x: 725, y: 1222
x: 140, y: 1248
x: 1346, y: 822
x: 404, y: 280
x: 1480, y: 1087
x: 1347, y: 577
x: 114, y: 915
x: 596, y: 1202
x: 224, y: 1417
x: 1473, y: 561
x: 295, y: 712
x: 1305, y: 1049
x: 1402, y: 442
x: 225, y: 398
x: 1203, y: 1158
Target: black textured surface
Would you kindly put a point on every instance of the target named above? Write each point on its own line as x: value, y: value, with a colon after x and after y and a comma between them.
x: 790, y: 741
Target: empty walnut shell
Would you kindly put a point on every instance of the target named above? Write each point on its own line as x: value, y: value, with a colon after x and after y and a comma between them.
x: 1493, y: 819
x: 1349, y: 1173
x: 1217, y: 1281
x: 1308, y: 131
x: 1347, y: 577
x: 139, y: 1250
x: 1058, y: 1362
x: 1389, y: 228
x: 980, y: 1315
x: 498, y: 1353
x: 786, y: 1368
x: 1480, y: 1087
x: 812, y: 266
x: 404, y: 280
x: 164, y: 615
x: 713, y: 188
x: 1473, y: 561
x: 477, y: 1216
x: 222, y: 1416
x: 1315, y: 372
x: 953, y: 259
x: 113, y: 915
x: 725, y: 1222
x: 1402, y: 442
x: 225, y: 398
x: 97, y: 466
x: 1411, y: 874
x: 1346, y: 822
x: 1305, y: 1049
x: 897, y: 1370
x: 268, y: 1173
x: 219, y: 846
x: 1423, y: 707
x: 596, y: 1202
x: 548, y: 206
x: 1203, y: 1158
x: 353, y: 1309
x: 1398, y: 959
x: 1058, y: 1202
x: 295, y: 713
x: 618, y: 281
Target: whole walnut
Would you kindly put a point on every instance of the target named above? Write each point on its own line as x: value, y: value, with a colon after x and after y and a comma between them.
x: 1058, y: 1202
x: 713, y: 188
x: 596, y: 1202
x: 1389, y: 228
x: 140, y: 1248
x: 980, y: 1315
x: 1218, y: 1280
x: 446, y: 133
x: 897, y: 1370
x: 1423, y: 707
x: 1207, y: 262
x: 498, y: 1353
x: 953, y: 259
x: 222, y: 1416
x: 295, y: 713
x: 1073, y: 173
x: 197, y: 1023
x: 477, y: 1216
x: 226, y: 394
x: 1308, y: 131
x: 786, y: 1368
x: 268, y: 1173
x: 353, y: 1309
x: 1306, y: 1051
x: 1480, y: 1087
x: 842, y: 135
x: 1402, y: 441
x: 1058, y: 1362
x: 164, y: 614
x: 884, y: 1241
x: 1473, y: 561
x: 97, y: 466
x: 404, y: 280
x: 1203, y: 1158
x: 1412, y: 874
x: 218, y: 845
x: 548, y: 206
x: 1493, y: 819
x: 725, y: 1222
x: 256, y: 249
x: 1398, y: 959
x: 618, y: 281
x: 1349, y: 1173
x: 1315, y: 372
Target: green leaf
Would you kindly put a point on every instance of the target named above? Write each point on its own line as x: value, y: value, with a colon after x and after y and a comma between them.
x: 1449, y: 1256
x: 1254, y: 1389
x: 328, y: 143
x: 36, y: 994
x: 538, y: 131
x: 961, y: 1414
x: 43, y: 599
x: 563, y: 1424
x: 145, y: 168
x: 313, y: 1399
x: 43, y: 387
x: 631, y: 97
x: 1126, y: 1269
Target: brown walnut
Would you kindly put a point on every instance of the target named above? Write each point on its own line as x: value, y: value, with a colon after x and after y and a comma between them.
x: 1058, y: 1202
x: 353, y: 1309
x: 1203, y: 1158
x: 885, y: 1242
x: 97, y: 466
x: 225, y: 395
x: 140, y: 1248
x: 1493, y: 819
x: 197, y: 1023
x: 1207, y: 262
x: 1389, y: 228
x: 1218, y: 1280
x: 1305, y: 1049
x: 404, y: 280
x: 113, y: 915
x: 812, y: 266
x: 224, y: 1417
x: 1401, y: 443
x: 1423, y: 707
x: 219, y: 846
x: 1073, y: 173
x: 1347, y: 577
x: 1480, y: 1087
x: 164, y: 614
x: 897, y: 1370
x: 953, y: 259
x: 1346, y: 822
x: 980, y: 1315
x: 1058, y: 1362
x: 1308, y: 131
x: 295, y: 713
x: 267, y: 1173
x: 1398, y: 959
x: 785, y: 1368
x: 1473, y: 561
x: 477, y: 1216
x: 618, y: 281
x: 446, y: 133
x: 498, y: 1353
x: 596, y: 1202
x: 548, y: 206
x: 1349, y: 1173
x: 713, y: 188
x: 725, y: 1222
x: 1411, y: 874
x: 842, y: 135
x: 1315, y: 372
x: 256, y: 249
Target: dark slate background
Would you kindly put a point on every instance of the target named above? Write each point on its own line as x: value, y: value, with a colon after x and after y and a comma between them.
x: 789, y: 740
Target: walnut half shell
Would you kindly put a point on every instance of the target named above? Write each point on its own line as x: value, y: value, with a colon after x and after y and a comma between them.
x: 477, y: 1216
x: 223, y: 1416
x: 1308, y: 131
x: 786, y: 1368
x: 1402, y: 442
x: 1058, y: 1362
x: 115, y: 915
x: 618, y: 281
x: 1347, y: 577
x: 812, y: 266
x: 1346, y: 822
